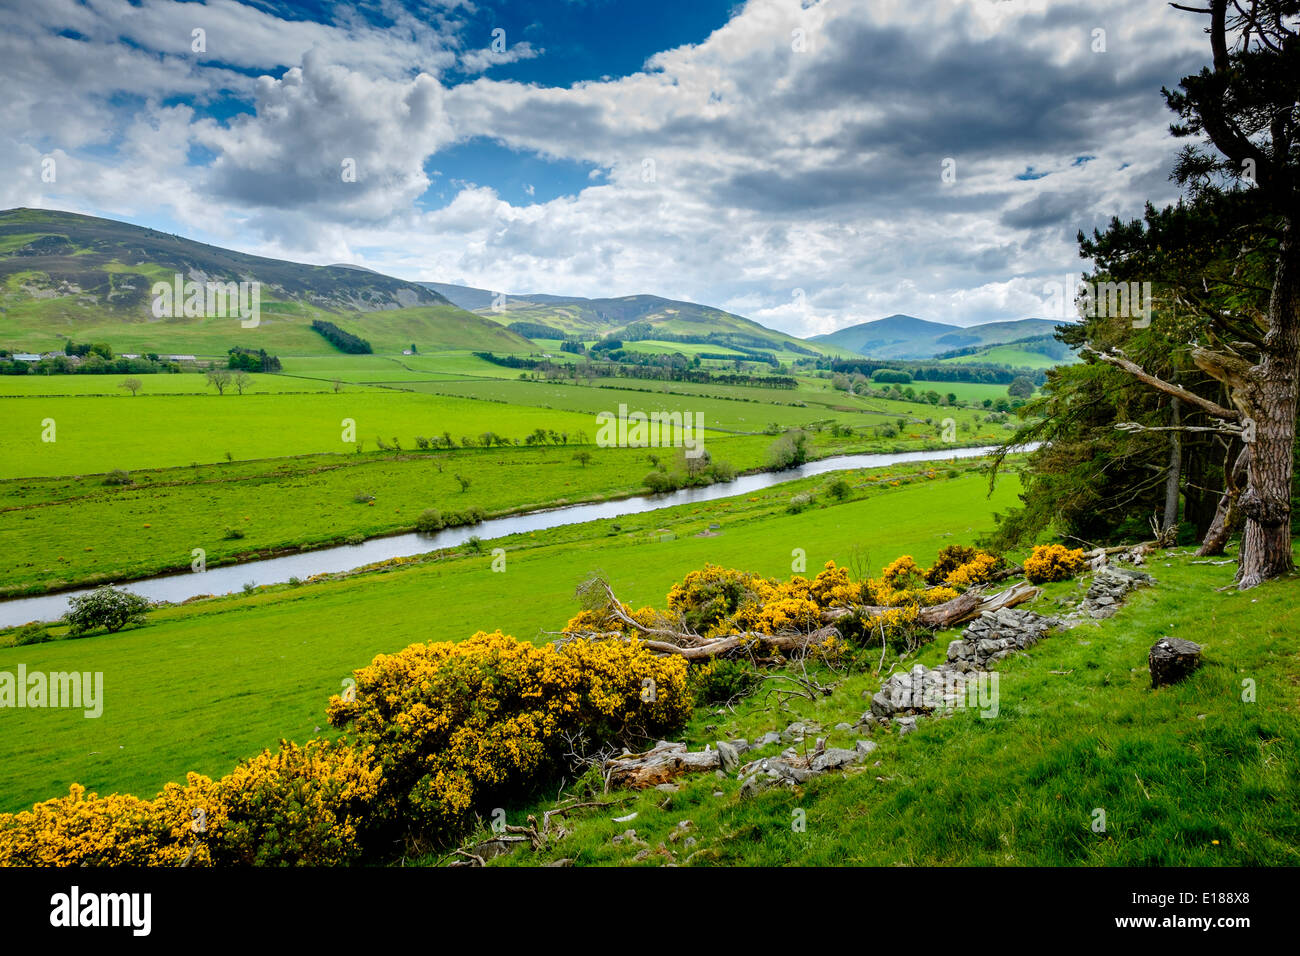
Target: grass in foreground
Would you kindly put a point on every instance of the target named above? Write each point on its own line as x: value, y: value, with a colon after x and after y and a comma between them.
x: 1191, y: 775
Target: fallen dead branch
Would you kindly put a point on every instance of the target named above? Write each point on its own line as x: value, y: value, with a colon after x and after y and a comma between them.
x: 964, y: 607
x: 691, y: 646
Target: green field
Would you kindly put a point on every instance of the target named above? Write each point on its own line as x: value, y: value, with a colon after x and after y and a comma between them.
x: 269, y: 471
x: 971, y: 392
x: 58, y: 532
x: 183, y: 383
x: 1190, y: 775
x: 1013, y: 355
x: 205, y: 684
x: 96, y: 434
x: 99, y: 427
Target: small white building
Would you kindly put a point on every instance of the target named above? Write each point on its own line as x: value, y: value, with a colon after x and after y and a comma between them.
x: 181, y: 358
x: 26, y: 357
x: 129, y: 355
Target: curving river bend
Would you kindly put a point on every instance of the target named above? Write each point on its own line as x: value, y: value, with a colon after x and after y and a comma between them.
x: 222, y: 580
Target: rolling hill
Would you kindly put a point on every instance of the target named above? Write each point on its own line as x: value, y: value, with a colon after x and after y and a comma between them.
x: 907, y: 337
x: 594, y: 318
x: 65, y: 275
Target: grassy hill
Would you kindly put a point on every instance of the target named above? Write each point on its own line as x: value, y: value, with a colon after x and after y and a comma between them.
x: 593, y: 318
x: 1015, y: 354
x: 907, y: 337
x: 1191, y: 775
x: 64, y: 275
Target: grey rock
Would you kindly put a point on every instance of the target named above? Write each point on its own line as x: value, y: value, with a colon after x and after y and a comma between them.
x: 729, y: 755
x: 833, y: 759
x: 630, y: 837
x: 495, y: 848
x: 1171, y: 659
x: 800, y: 729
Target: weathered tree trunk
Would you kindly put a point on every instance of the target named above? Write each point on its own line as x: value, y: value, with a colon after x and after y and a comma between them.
x: 1266, y: 505
x: 1170, y: 520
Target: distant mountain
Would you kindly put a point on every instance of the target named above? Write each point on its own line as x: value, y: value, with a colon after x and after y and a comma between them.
x: 593, y: 318
x: 464, y: 296
x: 66, y: 275
x: 907, y: 337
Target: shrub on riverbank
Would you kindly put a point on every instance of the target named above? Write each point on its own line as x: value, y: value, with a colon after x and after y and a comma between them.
x: 106, y: 607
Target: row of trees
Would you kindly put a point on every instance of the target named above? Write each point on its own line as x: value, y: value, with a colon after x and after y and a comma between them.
x: 979, y: 373
x: 221, y: 379
x: 341, y: 340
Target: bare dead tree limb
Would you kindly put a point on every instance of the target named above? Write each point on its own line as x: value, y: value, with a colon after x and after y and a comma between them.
x: 1191, y: 398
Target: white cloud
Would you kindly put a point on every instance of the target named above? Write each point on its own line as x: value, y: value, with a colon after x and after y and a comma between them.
x: 773, y: 170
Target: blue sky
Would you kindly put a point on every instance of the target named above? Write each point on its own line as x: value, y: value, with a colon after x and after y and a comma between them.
x: 778, y: 158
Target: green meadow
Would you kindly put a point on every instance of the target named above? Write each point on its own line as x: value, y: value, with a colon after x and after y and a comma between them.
x: 180, y: 420
x: 97, y: 434
x: 204, y: 684
x: 1203, y: 773
x: 43, y: 324
x: 59, y: 532
x: 972, y: 392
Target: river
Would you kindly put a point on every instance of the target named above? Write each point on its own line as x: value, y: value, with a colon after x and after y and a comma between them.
x: 229, y: 578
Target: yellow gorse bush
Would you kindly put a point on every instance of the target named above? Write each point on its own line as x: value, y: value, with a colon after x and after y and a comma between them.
x: 85, y: 829
x: 902, y: 574
x: 453, y: 724
x: 977, y: 570
x: 445, y: 727
x: 1053, y: 562
x: 442, y: 728
x: 716, y: 601
x: 301, y: 805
